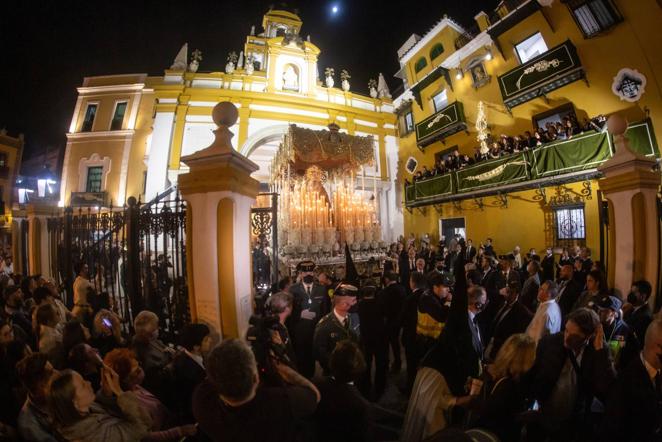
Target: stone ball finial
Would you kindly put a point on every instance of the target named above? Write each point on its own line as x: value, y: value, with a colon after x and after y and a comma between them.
x: 617, y: 125
x: 225, y: 114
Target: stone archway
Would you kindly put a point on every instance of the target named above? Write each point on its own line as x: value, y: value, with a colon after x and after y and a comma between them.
x: 261, y: 147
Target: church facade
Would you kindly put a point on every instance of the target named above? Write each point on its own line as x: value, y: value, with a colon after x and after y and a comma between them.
x: 129, y: 132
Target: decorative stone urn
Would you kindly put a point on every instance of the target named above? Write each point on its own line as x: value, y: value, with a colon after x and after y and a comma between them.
x: 373, y: 92
x: 229, y: 68
x: 329, y: 81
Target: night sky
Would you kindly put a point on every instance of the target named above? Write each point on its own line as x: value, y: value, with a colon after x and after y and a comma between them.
x: 49, y: 46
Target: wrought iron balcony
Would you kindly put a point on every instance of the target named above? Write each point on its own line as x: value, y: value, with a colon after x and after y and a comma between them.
x: 441, y: 124
x: 546, y: 72
x: 89, y: 199
x: 562, y: 161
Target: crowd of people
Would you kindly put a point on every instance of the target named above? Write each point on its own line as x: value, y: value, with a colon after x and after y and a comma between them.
x: 481, y: 346
x: 504, y: 145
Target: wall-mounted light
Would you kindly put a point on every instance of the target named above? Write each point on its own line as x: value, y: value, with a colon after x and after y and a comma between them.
x: 459, y: 74
x: 488, y: 55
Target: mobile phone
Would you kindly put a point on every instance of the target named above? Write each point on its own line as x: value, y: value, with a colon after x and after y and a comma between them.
x: 106, y: 322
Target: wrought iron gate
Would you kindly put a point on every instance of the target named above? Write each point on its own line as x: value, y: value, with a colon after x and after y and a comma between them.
x: 264, y: 241
x: 135, y: 255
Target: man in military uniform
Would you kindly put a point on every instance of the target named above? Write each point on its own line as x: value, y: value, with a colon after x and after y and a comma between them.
x: 310, y: 304
x: 433, y: 307
x: 337, y: 326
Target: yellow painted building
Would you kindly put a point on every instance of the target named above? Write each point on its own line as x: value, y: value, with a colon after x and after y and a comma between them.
x: 129, y: 132
x: 582, y: 47
x: 11, y: 151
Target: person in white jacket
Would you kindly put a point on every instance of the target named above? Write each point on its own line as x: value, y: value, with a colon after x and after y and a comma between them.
x: 547, y: 319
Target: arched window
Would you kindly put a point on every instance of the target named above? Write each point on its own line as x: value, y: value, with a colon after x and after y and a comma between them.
x: 420, y: 64
x: 436, y: 51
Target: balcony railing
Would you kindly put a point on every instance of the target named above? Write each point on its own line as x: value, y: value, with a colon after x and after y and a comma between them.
x: 561, y: 161
x: 540, y: 75
x: 504, y: 8
x: 441, y: 124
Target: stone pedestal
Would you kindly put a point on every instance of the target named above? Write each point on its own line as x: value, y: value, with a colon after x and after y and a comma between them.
x: 220, y: 192
x: 39, y: 259
x: 630, y: 184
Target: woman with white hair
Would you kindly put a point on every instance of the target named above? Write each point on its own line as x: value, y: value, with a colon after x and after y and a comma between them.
x: 152, y: 354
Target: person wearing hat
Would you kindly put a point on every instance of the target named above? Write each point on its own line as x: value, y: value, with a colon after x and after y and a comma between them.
x: 310, y: 304
x: 336, y: 326
x: 617, y: 333
x: 433, y: 308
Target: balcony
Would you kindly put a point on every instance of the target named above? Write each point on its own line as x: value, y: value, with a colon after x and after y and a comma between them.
x: 546, y: 72
x: 89, y: 199
x: 441, y: 124
x: 571, y: 160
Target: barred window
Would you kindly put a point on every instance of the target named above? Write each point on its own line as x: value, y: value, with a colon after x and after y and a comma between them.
x: 94, y: 179
x: 440, y: 100
x: 594, y: 16
x: 570, y: 222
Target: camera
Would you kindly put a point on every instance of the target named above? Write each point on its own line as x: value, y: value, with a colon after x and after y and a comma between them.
x: 266, y: 351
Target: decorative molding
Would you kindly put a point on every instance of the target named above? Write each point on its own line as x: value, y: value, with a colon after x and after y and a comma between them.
x: 94, y: 161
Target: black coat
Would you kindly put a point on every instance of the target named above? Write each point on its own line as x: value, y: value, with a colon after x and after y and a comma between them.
x: 633, y: 413
x: 638, y: 321
x: 547, y: 265
x: 516, y: 320
x: 393, y: 296
x: 187, y: 375
x: 453, y: 355
x: 597, y: 373
x: 342, y: 414
x: 568, y: 296
x: 529, y: 295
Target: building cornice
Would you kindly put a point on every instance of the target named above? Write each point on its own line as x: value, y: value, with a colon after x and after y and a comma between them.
x: 120, y: 134
x: 87, y: 90
x: 432, y: 33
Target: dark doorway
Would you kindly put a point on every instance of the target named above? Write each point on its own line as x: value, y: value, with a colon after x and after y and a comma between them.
x: 451, y: 228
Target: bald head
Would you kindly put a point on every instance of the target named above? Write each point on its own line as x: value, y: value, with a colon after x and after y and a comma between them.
x: 653, y: 344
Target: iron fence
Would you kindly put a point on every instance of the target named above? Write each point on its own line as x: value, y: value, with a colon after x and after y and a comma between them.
x: 135, y: 255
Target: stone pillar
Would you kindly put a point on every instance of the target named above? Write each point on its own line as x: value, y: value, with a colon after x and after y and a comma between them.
x: 219, y: 192
x: 39, y: 259
x: 630, y: 184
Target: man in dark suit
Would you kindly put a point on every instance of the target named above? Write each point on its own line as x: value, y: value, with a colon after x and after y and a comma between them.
x: 438, y: 269
x: 529, y: 296
x: 407, y: 266
x: 511, y: 319
x: 470, y: 253
x: 374, y: 341
x: 488, y: 249
x: 417, y: 286
x: 501, y: 278
x: 572, y: 368
x: 639, y: 316
x: 634, y: 407
x: 548, y: 265
x: 569, y: 290
x: 342, y: 413
x: 310, y: 305
x: 393, y: 295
